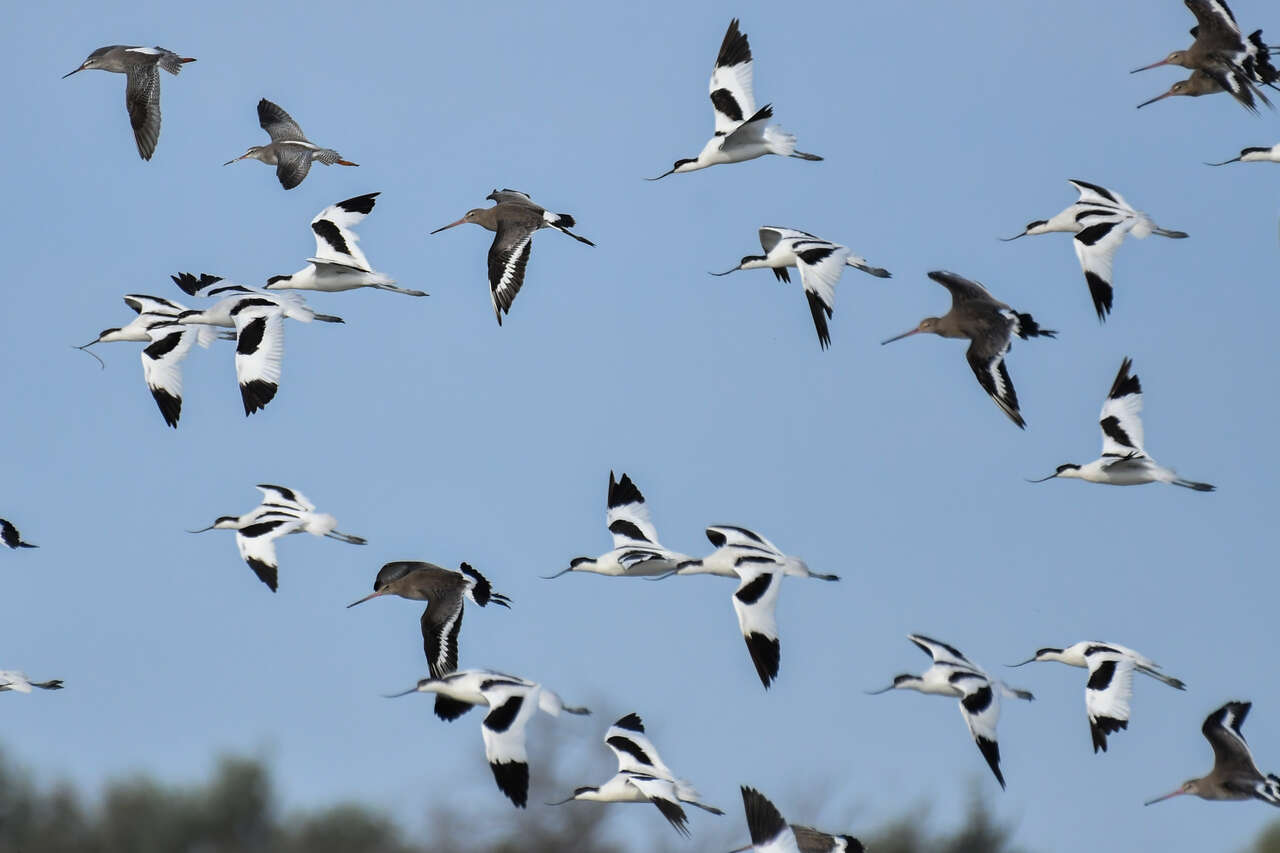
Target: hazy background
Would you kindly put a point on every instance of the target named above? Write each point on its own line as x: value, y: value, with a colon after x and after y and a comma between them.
x: 436, y: 434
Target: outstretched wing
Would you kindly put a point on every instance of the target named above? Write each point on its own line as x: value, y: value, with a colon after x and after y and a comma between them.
x: 628, y: 515
x: 284, y: 495
x: 962, y: 289
x: 731, y: 94
x: 741, y: 538
x: 1222, y: 729
x: 335, y: 241
x: 441, y: 623
x: 939, y: 651
x: 259, y: 351
x: 755, y: 601
x: 1097, y: 194
x: 633, y: 749
x: 662, y: 793
x: 508, y: 257
x: 257, y: 544
x: 1095, y: 246
x: 820, y: 264
x: 1107, y: 695
x: 1121, y: 419
x: 986, y: 358
x: 980, y: 705
x: 278, y: 124
x: 509, y: 195
x: 162, y: 366
x: 769, y: 831
x: 503, y: 729
x: 142, y: 99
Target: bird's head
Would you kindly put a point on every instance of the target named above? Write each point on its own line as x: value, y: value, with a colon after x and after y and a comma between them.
x: 1178, y: 57
x: 94, y: 61
x: 222, y: 522
x: 748, y: 262
x: 472, y: 215
x: 1067, y: 470
x: 1046, y: 654
x: 254, y: 152
x: 685, y: 164
x: 927, y: 325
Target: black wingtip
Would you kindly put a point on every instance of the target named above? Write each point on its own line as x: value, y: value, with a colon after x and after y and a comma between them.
x: 1124, y: 384
x: 764, y: 821
x: 1103, y: 726
x: 631, y: 722
x: 766, y: 654
x: 734, y: 48
x: 256, y: 394
x: 191, y: 285
x: 266, y: 573
x: 170, y: 406
x: 991, y: 752
x: 623, y: 492
x: 513, y: 780
x: 359, y: 204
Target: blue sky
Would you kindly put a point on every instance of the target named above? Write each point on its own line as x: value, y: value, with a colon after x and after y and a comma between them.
x: 437, y: 435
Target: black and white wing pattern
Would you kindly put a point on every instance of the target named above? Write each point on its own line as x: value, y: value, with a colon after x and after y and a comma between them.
x: 941, y: 652
x: 142, y: 100
x: 772, y: 235
x: 755, y: 601
x: 731, y: 84
x: 820, y: 264
x: 769, y: 831
x: 511, y: 705
x: 628, y: 516
x: 1095, y: 194
x: 10, y: 536
x: 162, y: 366
x: 1107, y: 693
x: 1095, y: 246
x: 508, y: 257
x: 663, y: 794
x: 1121, y: 418
x: 980, y: 706
x: 142, y: 303
x: 193, y: 286
x: 441, y: 623
x: 257, y: 544
x: 742, y: 539
x: 633, y: 749
x: 336, y: 243
x: 1222, y: 730
x: 986, y: 358
x: 283, y: 496
x: 259, y: 351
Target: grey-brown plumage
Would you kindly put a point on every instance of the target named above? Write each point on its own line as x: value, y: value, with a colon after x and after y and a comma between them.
x: 142, y: 85
x: 989, y: 324
x: 1234, y: 775
x: 1221, y: 58
x: 515, y: 217
x: 443, y: 590
x: 289, y: 150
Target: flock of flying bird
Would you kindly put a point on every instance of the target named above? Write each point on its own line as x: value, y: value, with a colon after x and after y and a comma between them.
x: 1221, y: 59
